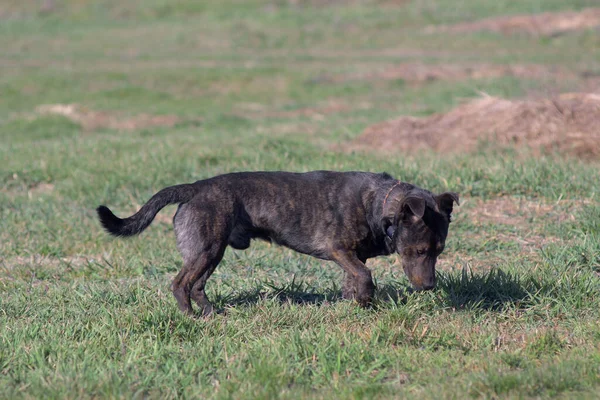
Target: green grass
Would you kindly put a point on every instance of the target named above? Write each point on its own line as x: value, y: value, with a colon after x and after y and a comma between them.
x: 82, y: 315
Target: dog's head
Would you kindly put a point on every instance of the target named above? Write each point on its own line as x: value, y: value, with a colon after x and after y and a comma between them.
x: 416, y: 225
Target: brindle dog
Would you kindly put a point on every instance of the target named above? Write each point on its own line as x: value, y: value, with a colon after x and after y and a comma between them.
x: 345, y: 217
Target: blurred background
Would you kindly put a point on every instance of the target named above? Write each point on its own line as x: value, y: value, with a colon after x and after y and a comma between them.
x: 318, y: 71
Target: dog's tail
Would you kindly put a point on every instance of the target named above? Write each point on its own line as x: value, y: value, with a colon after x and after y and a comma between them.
x: 143, y: 218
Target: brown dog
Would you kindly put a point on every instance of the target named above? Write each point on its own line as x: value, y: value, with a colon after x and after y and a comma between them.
x: 345, y: 217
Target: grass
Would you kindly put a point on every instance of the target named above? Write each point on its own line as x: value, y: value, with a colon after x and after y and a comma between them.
x: 86, y: 316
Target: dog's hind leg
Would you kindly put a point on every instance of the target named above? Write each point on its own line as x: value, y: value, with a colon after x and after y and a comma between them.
x: 358, y: 283
x: 199, y: 295
x: 201, y: 242
x: 190, y: 282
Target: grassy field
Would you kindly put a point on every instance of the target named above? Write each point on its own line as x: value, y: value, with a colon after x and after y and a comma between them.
x: 268, y: 85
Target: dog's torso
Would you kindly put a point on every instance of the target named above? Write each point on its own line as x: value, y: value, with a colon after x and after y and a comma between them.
x: 314, y: 213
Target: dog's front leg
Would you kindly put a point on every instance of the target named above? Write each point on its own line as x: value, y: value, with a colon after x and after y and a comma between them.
x: 349, y: 288
x: 358, y: 283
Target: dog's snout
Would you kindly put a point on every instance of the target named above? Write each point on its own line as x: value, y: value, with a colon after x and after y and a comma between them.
x: 423, y: 288
x: 423, y: 284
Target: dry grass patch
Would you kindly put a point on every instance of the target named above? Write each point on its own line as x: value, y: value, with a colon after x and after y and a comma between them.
x: 528, y: 217
x: 543, y: 24
x: 566, y: 124
x: 40, y: 188
x: 91, y: 120
x: 34, y: 190
x: 519, y: 211
x: 39, y: 260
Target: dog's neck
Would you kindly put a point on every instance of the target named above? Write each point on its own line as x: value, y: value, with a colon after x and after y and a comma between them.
x: 376, y: 203
x: 388, y: 194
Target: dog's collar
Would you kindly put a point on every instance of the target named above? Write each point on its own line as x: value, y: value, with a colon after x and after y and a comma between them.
x: 390, y: 191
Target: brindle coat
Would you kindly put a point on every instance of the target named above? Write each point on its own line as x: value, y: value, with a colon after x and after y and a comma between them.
x: 345, y: 217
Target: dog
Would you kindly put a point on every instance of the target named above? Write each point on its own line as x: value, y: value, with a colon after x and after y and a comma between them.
x: 345, y: 217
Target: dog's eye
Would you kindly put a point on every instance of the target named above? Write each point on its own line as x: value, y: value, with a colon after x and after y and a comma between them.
x: 421, y: 251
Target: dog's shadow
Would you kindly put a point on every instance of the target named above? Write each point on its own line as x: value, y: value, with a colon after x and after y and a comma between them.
x: 490, y: 290
x: 465, y: 290
x: 460, y: 290
x: 294, y: 292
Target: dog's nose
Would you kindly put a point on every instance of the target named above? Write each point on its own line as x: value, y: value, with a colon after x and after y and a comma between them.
x: 426, y: 285
x: 419, y: 283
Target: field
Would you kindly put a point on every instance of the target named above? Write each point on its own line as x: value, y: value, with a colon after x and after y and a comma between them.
x: 106, y: 102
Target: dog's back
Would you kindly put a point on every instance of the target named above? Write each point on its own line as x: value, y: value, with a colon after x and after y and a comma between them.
x: 304, y: 211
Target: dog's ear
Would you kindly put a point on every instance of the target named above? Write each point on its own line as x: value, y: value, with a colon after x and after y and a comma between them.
x: 414, y: 205
x: 397, y: 207
x: 446, y: 202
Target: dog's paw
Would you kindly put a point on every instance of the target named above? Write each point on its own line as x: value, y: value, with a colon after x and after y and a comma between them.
x: 364, y: 301
x: 207, y: 310
x: 348, y: 294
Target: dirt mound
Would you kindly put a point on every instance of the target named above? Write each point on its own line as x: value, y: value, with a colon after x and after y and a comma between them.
x: 420, y: 73
x: 569, y: 123
x: 544, y: 24
x: 93, y: 120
